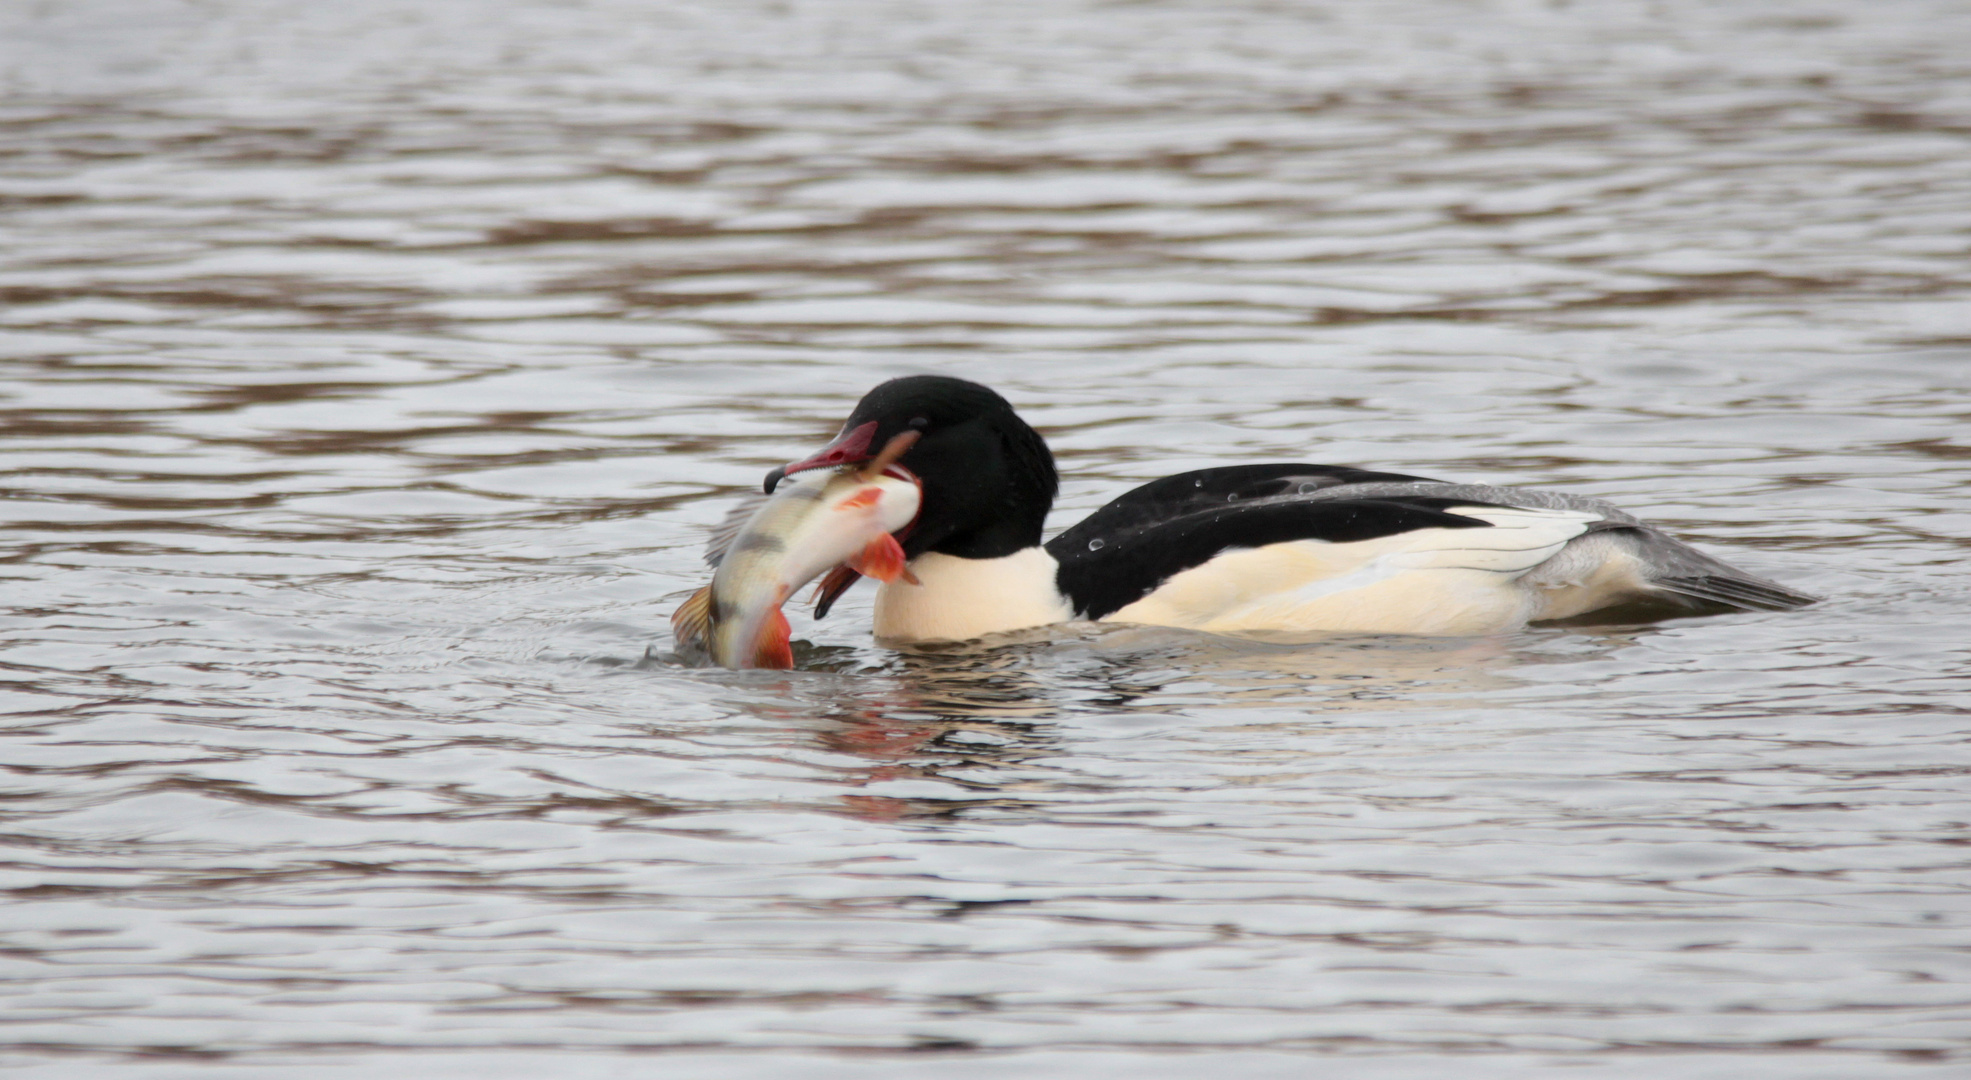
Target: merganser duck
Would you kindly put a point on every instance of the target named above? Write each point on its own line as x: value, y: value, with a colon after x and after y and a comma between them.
x: 1272, y: 547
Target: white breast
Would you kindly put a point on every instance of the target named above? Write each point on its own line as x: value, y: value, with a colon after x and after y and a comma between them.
x: 1426, y: 581
x: 960, y: 599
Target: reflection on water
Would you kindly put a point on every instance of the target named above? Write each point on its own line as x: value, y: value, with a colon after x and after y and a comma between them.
x: 372, y: 372
x: 975, y: 716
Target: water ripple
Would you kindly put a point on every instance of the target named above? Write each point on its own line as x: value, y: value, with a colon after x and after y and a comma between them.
x: 372, y: 374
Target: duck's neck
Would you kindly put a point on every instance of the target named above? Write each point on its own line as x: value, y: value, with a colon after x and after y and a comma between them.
x: 957, y: 599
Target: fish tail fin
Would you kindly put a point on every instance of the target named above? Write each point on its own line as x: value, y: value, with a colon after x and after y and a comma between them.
x: 691, y: 623
x: 881, y: 558
x: 774, y: 648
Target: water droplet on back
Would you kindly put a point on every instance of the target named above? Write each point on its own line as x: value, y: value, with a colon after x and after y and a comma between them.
x: 1096, y: 545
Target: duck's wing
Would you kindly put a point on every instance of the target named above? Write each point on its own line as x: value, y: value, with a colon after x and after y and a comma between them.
x: 1124, y: 551
x: 1573, y: 555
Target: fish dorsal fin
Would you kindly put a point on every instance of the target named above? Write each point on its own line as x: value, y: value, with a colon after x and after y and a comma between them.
x: 691, y: 623
x: 726, y: 531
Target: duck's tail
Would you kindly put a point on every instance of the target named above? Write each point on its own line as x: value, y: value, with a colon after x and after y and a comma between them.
x: 1626, y: 571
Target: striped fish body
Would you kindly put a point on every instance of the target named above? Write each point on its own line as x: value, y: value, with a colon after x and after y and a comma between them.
x: 814, y: 522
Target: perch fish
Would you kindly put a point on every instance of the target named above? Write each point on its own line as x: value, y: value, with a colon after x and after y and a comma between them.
x: 841, y: 519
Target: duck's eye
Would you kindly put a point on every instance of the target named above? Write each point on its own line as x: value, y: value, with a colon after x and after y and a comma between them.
x: 920, y: 422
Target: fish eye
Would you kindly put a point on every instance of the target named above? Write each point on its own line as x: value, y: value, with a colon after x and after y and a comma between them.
x: 920, y: 422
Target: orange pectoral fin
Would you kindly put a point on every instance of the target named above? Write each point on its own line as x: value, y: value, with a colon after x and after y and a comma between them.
x: 774, y: 648
x: 861, y: 500
x: 882, y: 559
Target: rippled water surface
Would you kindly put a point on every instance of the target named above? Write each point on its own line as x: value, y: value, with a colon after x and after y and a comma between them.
x: 372, y: 370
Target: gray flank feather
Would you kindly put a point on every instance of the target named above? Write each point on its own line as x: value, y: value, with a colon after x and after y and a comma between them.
x: 1478, y: 493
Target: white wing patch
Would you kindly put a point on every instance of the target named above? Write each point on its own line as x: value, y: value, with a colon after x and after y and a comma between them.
x: 1519, y: 539
x: 1425, y: 581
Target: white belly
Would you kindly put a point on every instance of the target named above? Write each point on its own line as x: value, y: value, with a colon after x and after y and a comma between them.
x: 961, y: 599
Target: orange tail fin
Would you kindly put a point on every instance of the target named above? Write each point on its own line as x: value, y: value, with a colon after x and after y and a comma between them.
x: 774, y: 648
x: 691, y: 623
x: 882, y: 559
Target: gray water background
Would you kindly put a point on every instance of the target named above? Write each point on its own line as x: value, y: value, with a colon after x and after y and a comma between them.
x: 372, y: 370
